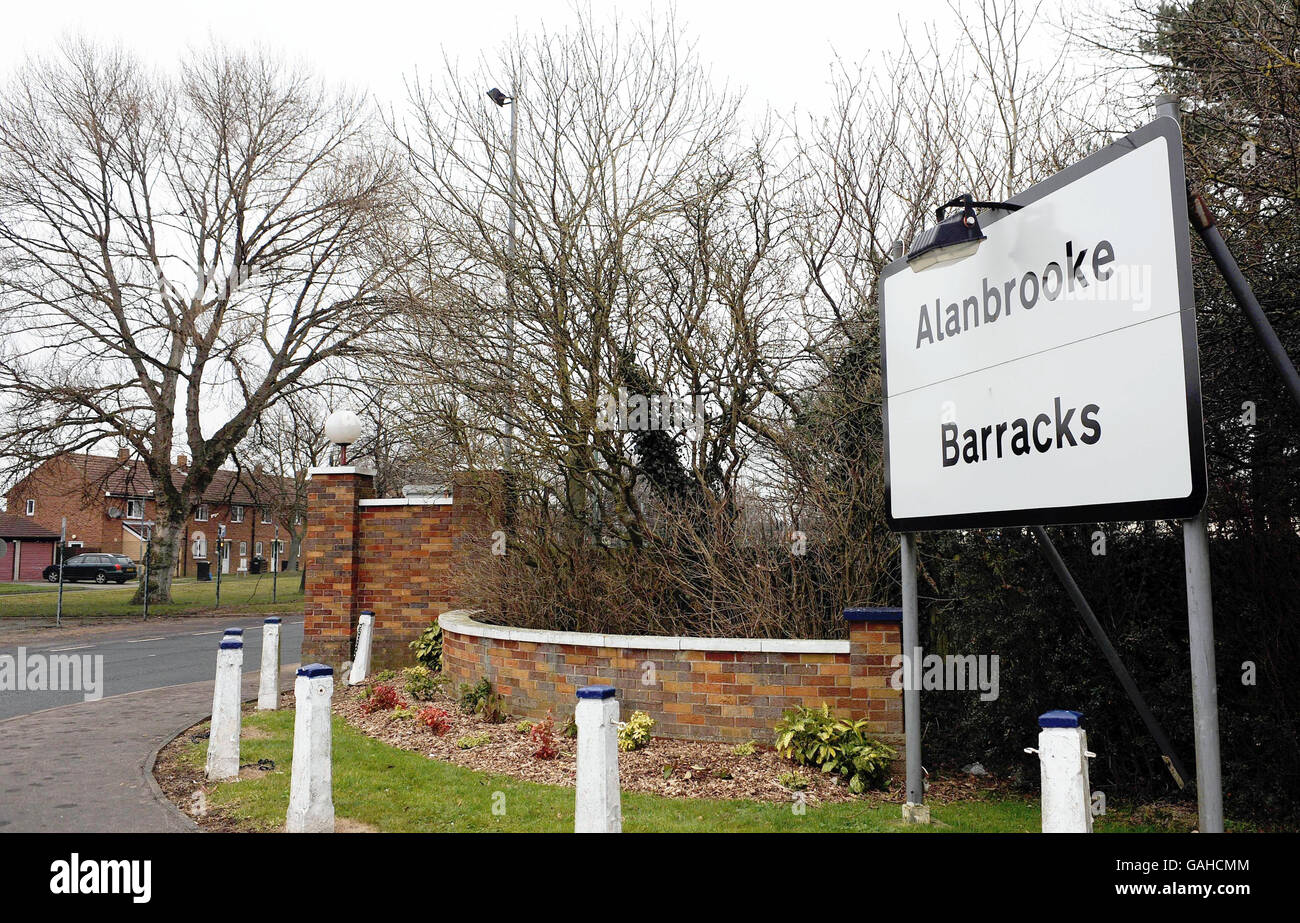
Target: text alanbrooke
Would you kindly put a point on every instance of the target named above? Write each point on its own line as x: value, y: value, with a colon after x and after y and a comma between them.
x: 996, y: 301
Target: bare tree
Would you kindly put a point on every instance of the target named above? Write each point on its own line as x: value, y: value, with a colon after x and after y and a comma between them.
x: 176, y: 254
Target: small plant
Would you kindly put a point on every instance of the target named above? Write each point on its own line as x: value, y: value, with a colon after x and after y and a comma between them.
x: 792, y: 781
x: 570, y: 729
x: 470, y: 741
x: 541, y: 738
x: 814, y: 737
x: 435, y: 719
x: 493, y: 709
x: 385, y: 676
x: 635, y: 733
x: 428, y: 648
x: 472, y: 697
x: 480, y: 700
x: 421, y: 684
x: 403, y: 713
x: 383, y: 697
x: 524, y: 726
x: 748, y: 748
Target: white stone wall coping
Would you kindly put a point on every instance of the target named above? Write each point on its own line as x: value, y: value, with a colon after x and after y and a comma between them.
x: 346, y: 469
x: 462, y: 622
x: 407, y: 501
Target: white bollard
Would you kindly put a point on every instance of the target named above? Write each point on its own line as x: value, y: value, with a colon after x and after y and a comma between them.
x: 1063, y: 758
x: 311, y: 782
x: 223, y: 738
x: 268, y: 688
x: 361, y: 663
x: 598, y: 809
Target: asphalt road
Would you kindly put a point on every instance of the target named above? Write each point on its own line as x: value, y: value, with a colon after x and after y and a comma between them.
x: 168, y: 653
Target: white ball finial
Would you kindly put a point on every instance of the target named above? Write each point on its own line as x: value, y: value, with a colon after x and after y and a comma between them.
x: 343, y: 427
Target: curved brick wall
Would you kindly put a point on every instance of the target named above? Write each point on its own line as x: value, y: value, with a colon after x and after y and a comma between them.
x: 722, y: 689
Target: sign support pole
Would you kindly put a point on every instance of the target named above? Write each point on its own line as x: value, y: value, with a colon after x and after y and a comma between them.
x: 63, y: 553
x: 1200, y: 639
x: 1205, y: 687
x: 912, y: 671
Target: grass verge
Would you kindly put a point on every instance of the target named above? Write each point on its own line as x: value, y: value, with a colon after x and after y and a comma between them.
x: 400, y: 791
x: 238, y: 593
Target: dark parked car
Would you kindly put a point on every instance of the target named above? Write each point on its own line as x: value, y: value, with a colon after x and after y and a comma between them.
x: 100, y: 568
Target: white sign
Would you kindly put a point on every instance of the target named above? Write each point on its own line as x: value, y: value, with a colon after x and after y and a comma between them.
x: 1052, y: 376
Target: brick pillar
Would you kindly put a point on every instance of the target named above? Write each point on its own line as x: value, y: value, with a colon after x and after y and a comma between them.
x: 332, y: 558
x: 875, y: 640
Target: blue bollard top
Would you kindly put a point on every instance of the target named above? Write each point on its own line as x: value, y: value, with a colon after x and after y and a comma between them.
x: 315, y: 669
x: 873, y: 615
x: 1060, y: 718
x: 235, y: 631
x: 596, y: 692
x: 273, y: 621
x: 231, y: 644
x: 367, y: 611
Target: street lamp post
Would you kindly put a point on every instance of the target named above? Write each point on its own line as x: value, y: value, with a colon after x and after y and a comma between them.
x: 502, y: 100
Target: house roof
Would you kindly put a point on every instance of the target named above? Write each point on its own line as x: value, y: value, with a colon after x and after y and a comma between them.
x: 21, y: 527
x: 130, y: 478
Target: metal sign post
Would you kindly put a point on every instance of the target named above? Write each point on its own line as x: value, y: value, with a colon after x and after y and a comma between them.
x: 221, y: 541
x: 148, y: 553
x: 275, y: 560
x: 63, y: 553
x: 911, y: 672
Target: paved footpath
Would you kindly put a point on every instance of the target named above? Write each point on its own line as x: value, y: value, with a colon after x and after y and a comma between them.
x: 83, y: 768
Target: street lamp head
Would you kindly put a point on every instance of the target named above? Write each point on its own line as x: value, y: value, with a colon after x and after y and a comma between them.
x: 953, y: 238
x: 343, y: 428
x: 498, y: 97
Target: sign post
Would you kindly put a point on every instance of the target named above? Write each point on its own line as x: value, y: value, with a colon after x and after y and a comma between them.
x: 63, y: 553
x: 1047, y: 372
x: 221, y: 541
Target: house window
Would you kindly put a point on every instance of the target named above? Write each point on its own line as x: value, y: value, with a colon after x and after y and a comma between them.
x: 201, y: 513
x: 258, y: 548
x: 31, y: 508
x: 135, y: 509
x: 236, y: 514
x: 266, y: 516
x: 243, y: 549
x: 200, y: 546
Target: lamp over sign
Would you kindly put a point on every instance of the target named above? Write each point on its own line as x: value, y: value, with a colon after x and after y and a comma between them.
x: 343, y: 428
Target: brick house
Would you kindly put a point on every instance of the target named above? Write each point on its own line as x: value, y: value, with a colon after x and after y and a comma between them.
x: 106, y: 498
x: 26, y: 548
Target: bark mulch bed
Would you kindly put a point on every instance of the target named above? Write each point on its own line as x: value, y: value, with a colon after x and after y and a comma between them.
x: 670, y: 768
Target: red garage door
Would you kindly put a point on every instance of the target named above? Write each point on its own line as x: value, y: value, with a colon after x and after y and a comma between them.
x: 34, y: 557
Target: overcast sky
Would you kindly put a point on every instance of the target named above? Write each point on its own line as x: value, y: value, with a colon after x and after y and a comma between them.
x: 780, y: 51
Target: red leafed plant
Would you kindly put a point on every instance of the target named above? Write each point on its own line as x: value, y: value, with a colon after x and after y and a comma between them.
x: 435, y: 719
x: 383, y: 697
x: 542, y: 739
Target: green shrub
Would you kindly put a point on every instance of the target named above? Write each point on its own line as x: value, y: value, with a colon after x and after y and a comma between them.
x: 524, y: 726
x: 480, y: 700
x: 428, y: 648
x: 421, y: 683
x: 635, y: 732
x: 470, y: 741
x: 748, y: 748
x: 471, y: 697
x: 570, y: 728
x: 814, y: 737
x: 385, y: 676
x: 792, y: 781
